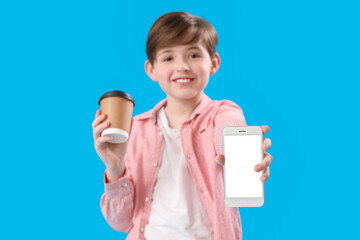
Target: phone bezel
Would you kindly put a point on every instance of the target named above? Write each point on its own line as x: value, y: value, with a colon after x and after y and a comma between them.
x: 242, y: 201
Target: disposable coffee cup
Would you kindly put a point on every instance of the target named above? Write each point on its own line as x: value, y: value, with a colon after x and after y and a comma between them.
x: 118, y: 106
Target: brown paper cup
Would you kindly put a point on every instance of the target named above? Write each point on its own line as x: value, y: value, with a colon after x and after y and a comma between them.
x: 118, y: 106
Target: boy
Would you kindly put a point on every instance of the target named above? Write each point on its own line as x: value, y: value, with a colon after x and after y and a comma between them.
x: 165, y: 183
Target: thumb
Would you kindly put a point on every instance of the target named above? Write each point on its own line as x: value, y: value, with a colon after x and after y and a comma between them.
x: 220, y: 159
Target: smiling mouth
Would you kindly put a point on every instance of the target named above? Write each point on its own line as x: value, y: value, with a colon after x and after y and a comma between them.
x: 183, y: 80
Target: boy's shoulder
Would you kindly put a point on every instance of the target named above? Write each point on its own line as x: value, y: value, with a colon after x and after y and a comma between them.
x: 225, y: 105
x: 227, y: 112
x: 150, y: 113
x: 214, y: 104
x: 144, y: 115
x: 213, y: 107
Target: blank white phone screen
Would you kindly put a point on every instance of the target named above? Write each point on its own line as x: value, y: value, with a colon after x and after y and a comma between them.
x: 242, y: 153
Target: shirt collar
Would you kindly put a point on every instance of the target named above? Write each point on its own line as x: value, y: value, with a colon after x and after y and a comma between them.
x: 205, y: 100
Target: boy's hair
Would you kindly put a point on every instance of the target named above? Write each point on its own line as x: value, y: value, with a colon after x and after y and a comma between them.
x: 179, y: 28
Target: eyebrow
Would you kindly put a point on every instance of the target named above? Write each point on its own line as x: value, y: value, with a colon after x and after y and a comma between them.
x: 164, y: 51
x: 194, y: 47
x: 169, y: 50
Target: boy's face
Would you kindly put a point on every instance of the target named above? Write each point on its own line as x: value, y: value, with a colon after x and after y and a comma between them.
x: 183, y: 71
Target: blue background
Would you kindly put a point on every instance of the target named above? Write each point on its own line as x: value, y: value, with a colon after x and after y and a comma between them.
x: 293, y: 65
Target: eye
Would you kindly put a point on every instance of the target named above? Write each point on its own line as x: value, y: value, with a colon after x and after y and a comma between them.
x: 167, y: 59
x: 194, y: 55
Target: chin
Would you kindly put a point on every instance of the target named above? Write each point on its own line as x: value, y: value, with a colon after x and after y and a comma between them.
x: 188, y: 96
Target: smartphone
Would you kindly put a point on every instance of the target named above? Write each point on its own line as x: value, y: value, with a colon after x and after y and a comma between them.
x: 242, y: 151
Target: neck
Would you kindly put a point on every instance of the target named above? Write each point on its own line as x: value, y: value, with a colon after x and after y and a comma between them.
x: 179, y: 111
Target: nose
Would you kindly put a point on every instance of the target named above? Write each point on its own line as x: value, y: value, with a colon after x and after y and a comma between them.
x: 183, y: 66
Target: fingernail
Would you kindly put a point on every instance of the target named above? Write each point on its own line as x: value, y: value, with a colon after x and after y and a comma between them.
x: 219, y: 162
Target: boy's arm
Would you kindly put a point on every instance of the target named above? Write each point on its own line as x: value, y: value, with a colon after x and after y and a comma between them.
x: 117, y: 203
x: 228, y: 114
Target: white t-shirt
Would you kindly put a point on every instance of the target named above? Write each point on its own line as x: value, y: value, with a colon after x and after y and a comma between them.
x: 176, y: 210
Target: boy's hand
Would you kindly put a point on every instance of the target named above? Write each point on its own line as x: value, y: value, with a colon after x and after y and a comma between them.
x: 264, y: 165
x: 112, y: 154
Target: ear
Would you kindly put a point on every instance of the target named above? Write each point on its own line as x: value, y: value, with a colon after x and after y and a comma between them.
x: 149, y: 69
x: 215, y: 63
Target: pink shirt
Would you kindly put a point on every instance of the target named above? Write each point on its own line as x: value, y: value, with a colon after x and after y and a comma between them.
x: 126, y: 202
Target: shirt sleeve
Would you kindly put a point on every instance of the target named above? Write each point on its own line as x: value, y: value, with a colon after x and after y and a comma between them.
x: 228, y: 114
x: 117, y: 203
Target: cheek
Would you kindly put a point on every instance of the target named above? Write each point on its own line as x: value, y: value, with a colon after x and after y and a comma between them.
x: 205, y: 73
x: 163, y: 84
x: 162, y: 75
x: 204, y: 83
x: 163, y: 79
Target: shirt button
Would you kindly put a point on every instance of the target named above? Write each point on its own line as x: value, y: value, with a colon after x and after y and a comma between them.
x: 142, y: 230
x: 161, y: 133
x: 124, y: 185
x: 155, y: 164
x: 147, y: 199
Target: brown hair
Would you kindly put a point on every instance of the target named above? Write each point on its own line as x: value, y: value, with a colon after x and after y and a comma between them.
x: 179, y: 28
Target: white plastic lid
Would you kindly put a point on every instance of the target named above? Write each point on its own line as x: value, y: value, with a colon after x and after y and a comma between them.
x: 118, y: 134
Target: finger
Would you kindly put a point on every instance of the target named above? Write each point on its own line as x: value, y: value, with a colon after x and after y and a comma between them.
x: 266, y: 144
x: 99, y: 119
x: 265, y: 163
x: 265, y: 129
x: 265, y: 175
x: 98, y: 112
x: 220, y: 159
x: 98, y: 129
x: 101, y: 140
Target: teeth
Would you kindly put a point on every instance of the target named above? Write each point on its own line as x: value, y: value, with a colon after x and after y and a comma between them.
x: 183, y: 80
